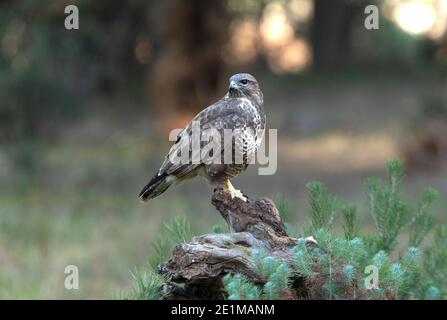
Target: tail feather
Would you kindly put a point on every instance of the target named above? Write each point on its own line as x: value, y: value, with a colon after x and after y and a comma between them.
x: 156, y: 186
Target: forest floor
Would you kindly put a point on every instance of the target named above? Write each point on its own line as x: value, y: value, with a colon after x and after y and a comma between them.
x: 80, y: 206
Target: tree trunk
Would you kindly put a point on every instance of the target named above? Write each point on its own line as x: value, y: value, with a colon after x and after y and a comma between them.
x: 201, y: 264
x: 331, y: 32
x: 188, y: 72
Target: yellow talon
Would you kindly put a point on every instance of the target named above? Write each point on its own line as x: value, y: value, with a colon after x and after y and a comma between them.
x: 234, y: 192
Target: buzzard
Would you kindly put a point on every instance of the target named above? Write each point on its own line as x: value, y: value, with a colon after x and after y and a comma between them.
x: 240, y: 112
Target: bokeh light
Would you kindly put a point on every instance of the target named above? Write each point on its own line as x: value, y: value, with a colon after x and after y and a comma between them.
x: 286, y: 53
x: 243, y: 43
x: 275, y: 28
x: 293, y: 57
x: 415, y: 17
x: 301, y: 10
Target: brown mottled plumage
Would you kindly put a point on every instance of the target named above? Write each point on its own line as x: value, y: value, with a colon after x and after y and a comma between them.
x: 241, y: 110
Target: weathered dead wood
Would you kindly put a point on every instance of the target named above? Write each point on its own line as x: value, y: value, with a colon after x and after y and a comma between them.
x: 200, y: 264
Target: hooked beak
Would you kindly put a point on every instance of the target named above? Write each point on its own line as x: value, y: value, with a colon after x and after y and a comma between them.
x: 233, y: 85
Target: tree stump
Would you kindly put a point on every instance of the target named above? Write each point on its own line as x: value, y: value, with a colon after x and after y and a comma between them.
x: 201, y: 264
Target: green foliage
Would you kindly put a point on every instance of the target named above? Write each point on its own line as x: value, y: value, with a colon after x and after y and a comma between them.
x: 282, y: 206
x: 408, y: 278
x: 284, y: 211
x: 323, y: 206
x: 265, y: 265
x: 239, y: 287
x: 434, y: 278
x: 174, y: 232
x: 343, y: 267
x: 348, y: 272
x: 148, y: 283
x: 178, y: 230
x: 339, y: 267
x: 275, y: 272
x: 161, y: 249
x: 350, y: 225
x: 391, y: 214
x: 423, y: 220
x: 277, y: 281
x: 218, y: 228
x: 147, y: 286
x: 303, y: 260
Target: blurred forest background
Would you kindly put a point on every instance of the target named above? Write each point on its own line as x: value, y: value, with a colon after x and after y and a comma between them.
x: 84, y: 117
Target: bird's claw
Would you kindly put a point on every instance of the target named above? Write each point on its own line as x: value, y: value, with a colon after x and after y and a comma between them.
x: 237, y: 194
x: 234, y: 193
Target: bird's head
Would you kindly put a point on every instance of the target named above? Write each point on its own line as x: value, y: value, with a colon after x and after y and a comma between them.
x: 244, y: 84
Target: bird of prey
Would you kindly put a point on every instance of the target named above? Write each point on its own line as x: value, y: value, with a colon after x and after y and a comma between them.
x: 240, y: 112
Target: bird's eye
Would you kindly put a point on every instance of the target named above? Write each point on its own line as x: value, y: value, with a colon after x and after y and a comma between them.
x: 244, y: 82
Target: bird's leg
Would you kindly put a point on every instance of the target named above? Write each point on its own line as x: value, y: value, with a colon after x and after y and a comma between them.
x: 233, y: 192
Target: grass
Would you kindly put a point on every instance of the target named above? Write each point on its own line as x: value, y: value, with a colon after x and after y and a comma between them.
x: 105, y: 236
x: 81, y: 208
x: 95, y: 222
